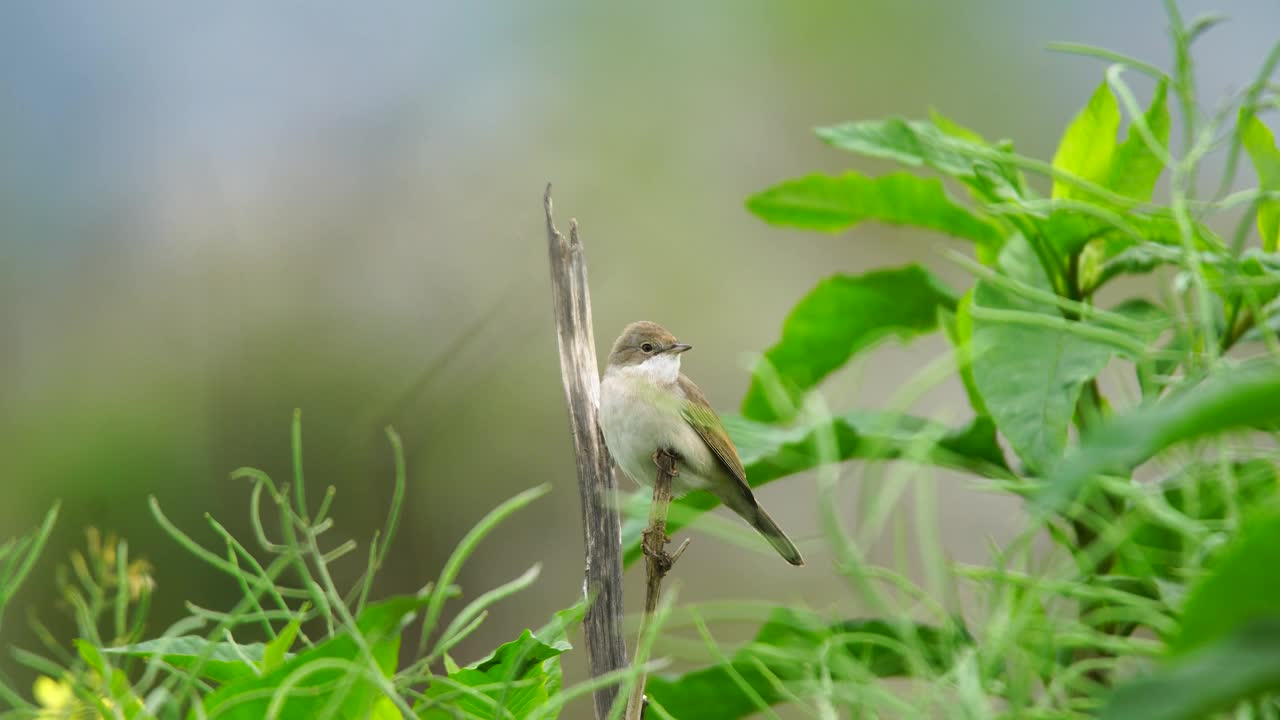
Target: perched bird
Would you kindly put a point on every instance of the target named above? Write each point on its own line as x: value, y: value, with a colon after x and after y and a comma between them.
x: 647, y: 405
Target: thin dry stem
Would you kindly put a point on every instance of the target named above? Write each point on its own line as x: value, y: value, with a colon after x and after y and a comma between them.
x: 657, y: 564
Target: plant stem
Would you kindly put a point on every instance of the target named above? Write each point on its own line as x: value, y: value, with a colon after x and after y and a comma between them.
x: 657, y: 564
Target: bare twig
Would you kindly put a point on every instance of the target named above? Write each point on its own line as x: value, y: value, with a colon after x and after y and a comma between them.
x: 601, y: 528
x: 657, y: 563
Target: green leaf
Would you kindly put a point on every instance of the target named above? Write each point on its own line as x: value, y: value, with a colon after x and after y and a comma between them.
x: 1088, y: 144
x: 830, y: 204
x: 1261, y: 147
x: 277, y: 651
x: 769, y: 452
x: 959, y: 330
x: 1242, y: 585
x: 1241, y: 665
x: 916, y: 144
x: 1135, y: 169
x: 218, y: 661
x: 843, y: 315
x: 351, y: 690
x: 1068, y: 231
x: 954, y: 129
x: 1236, y: 397
x: 518, y: 677
x: 1029, y: 376
x: 116, y: 694
x: 789, y: 646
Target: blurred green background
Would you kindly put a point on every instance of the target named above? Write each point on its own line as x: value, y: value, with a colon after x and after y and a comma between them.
x: 211, y: 215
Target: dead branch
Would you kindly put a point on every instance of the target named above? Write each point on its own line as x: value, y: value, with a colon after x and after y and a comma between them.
x: 601, y: 527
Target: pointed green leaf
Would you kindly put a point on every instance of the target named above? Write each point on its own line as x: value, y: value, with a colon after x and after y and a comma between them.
x: 1089, y: 143
x: 1135, y: 169
x: 1236, y: 397
x: 218, y: 661
x: 840, y: 317
x: 916, y: 144
x: 277, y: 651
x: 1261, y: 147
x: 769, y: 452
x: 954, y: 129
x: 518, y: 678
x: 1029, y: 376
x: 830, y: 204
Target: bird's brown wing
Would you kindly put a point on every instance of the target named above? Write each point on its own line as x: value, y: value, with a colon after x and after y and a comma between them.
x: 698, y: 413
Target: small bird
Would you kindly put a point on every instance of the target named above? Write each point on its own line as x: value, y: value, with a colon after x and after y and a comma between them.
x: 647, y: 405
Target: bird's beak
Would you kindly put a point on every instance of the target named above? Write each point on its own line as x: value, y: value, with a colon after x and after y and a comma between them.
x: 680, y: 347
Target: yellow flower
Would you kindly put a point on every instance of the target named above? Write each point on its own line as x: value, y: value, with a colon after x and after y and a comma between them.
x: 55, y: 698
x: 140, y: 578
x: 58, y: 701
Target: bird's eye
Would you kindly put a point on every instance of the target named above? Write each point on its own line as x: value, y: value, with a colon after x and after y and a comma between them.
x: 647, y: 347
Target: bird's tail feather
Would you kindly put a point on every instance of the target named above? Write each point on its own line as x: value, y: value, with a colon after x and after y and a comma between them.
x: 748, y: 509
x: 776, y: 537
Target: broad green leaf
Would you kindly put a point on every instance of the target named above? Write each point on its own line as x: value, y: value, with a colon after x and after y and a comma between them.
x: 1088, y: 144
x: 916, y: 144
x: 1030, y: 376
x: 1261, y: 147
x: 843, y: 315
x: 1242, y: 585
x: 1216, y: 677
x: 352, y: 691
x: 1236, y: 397
x: 217, y: 661
x: 1068, y: 231
x: 769, y: 452
x: 1135, y: 169
x: 1154, y: 319
x: 518, y: 678
x: 384, y: 709
x: 792, y: 646
x: 822, y: 202
x: 556, y: 634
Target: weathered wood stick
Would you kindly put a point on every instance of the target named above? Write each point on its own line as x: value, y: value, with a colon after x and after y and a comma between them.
x: 601, y: 527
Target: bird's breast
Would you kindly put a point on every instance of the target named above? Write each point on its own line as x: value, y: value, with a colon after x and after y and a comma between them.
x: 638, y: 417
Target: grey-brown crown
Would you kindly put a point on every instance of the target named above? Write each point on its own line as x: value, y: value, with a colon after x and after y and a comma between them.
x: 640, y: 341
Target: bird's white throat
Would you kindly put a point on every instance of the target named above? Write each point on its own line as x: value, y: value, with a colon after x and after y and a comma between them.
x: 663, y: 369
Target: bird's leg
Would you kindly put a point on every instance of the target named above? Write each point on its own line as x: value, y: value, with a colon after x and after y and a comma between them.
x: 668, y: 466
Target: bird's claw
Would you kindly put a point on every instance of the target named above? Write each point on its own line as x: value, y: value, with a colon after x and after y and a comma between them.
x: 670, y: 466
